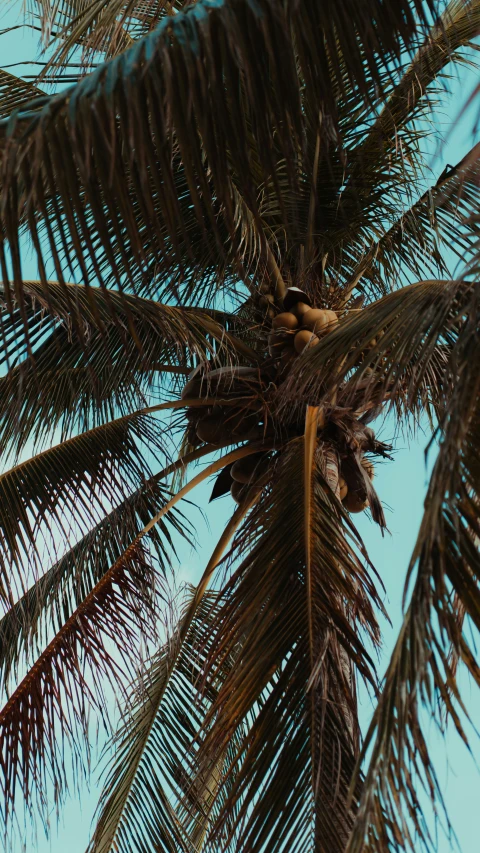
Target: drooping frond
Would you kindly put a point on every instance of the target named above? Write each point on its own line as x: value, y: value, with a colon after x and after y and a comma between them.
x: 297, y: 700
x: 421, y: 677
x: 226, y: 137
x: 88, y: 355
x: 59, y: 591
x: 56, y: 691
x: 52, y: 498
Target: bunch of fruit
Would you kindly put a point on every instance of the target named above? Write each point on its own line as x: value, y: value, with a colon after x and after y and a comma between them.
x: 225, y: 405
x: 299, y: 327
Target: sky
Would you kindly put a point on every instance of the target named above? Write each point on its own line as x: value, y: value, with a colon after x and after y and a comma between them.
x: 401, y: 485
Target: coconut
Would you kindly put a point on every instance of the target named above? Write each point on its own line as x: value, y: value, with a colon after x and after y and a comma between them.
x: 286, y: 320
x: 243, y: 470
x: 316, y: 320
x: 192, y: 389
x: 304, y: 339
x: 343, y: 487
x: 294, y: 295
x: 354, y: 502
x: 212, y: 429
x: 238, y: 491
x: 332, y: 318
x: 299, y: 309
x: 369, y: 467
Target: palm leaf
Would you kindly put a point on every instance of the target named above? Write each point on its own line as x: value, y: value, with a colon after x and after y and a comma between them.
x: 277, y: 797
x: 243, y: 92
x: 414, y: 330
x: 53, y: 598
x: 116, y: 351
x: 54, y: 691
x: 444, y: 570
x: 150, y: 749
x: 51, y: 498
x: 439, y: 218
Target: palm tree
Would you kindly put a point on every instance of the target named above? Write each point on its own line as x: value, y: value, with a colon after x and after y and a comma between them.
x: 242, y: 260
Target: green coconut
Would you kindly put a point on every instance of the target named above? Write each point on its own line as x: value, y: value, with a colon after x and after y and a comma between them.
x: 342, y: 485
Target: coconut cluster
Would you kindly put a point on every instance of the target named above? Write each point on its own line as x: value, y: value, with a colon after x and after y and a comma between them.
x: 295, y: 330
x: 224, y: 404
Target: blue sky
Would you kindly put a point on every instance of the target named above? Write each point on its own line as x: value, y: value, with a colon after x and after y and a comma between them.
x: 401, y: 485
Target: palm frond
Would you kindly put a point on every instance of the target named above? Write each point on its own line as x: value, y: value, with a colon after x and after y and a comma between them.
x: 416, y: 243
x: 283, y: 794
x: 421, y: 676
x: 87, y: 355
x: 56, y: 690
x: 143, y: 800
x: 54, y: 497
x: 171, y: 109
x: 51, y: 600
x: 106, y: 28
x: 394, y: 352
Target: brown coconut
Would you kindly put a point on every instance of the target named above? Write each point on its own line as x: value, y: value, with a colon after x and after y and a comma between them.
x: 250, y: 467
x: 304, y: 339
x: 286, y: 320
x: 299, y: 309
x: 316, y: 320
x: 343, y: 488
x: 332, y: 318
x: 354, y: 502
x: 238, y: 491
x: 213, y: 430
x: 192, y: 389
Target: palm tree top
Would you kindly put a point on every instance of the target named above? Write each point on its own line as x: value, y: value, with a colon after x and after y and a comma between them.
x: 243, y: 260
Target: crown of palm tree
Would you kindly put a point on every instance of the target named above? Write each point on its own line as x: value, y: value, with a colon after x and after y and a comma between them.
x: 231, y: 213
